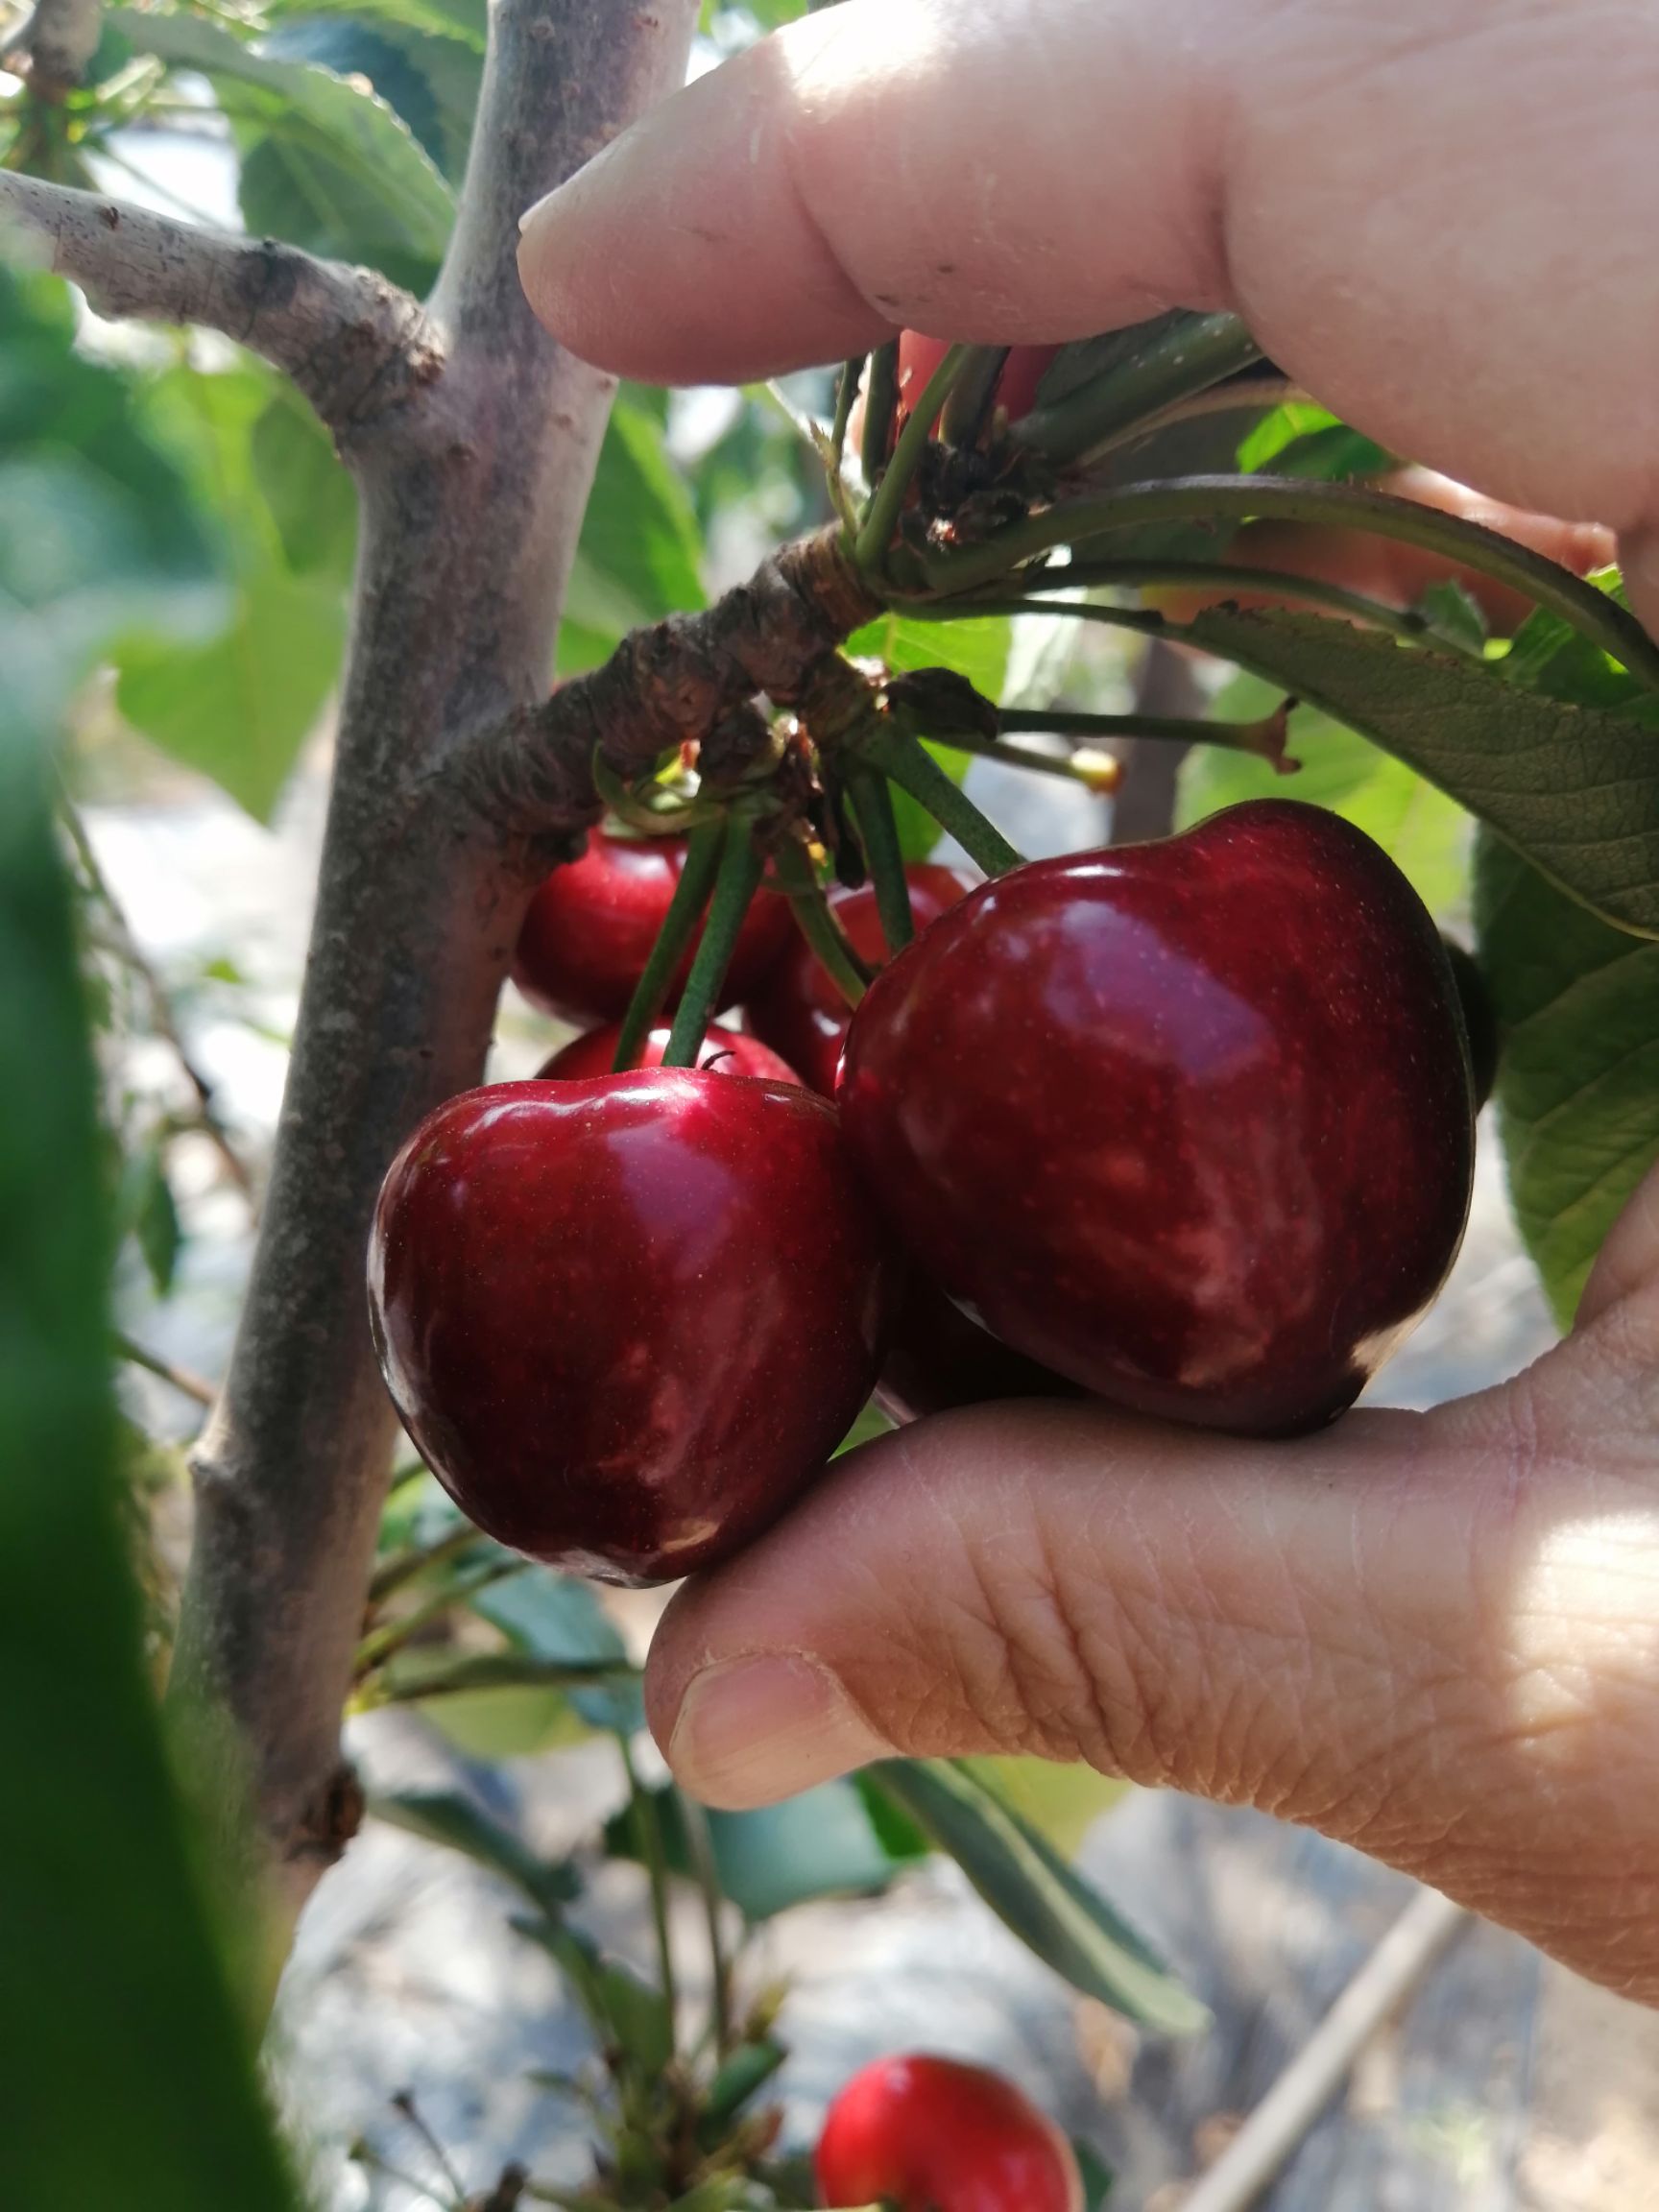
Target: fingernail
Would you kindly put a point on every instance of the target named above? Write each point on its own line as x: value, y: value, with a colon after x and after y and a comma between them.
x: 751, y: 1731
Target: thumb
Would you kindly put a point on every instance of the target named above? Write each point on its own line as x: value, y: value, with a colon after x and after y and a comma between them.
x: 1430, y: 1635
x: 1247, y: 1619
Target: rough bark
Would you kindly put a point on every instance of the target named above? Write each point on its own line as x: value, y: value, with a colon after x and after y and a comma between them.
x: 355, y: 344
x: 472, y: 489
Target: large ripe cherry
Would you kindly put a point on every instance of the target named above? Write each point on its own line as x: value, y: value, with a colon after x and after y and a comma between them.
x: 626, y: 1320
x: 935, y: 2135
x: 728, y: 1051
x: 589, y: 929
x: 1189, y: 1122
x: 799, y: 1011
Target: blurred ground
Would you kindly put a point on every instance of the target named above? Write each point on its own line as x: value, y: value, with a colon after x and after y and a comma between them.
x: 1509, y: 2089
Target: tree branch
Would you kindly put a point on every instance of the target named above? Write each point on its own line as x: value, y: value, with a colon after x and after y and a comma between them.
x: 472, y: 493
x: 352, y: 342
x: 680, y: 679
x: 60, y: 39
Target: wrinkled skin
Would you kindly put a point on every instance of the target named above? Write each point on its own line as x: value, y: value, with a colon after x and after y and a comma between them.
x: 626, y: 1320
x: 729, y: 1052
x: 1429, y: 1633
x: 934, y: 2135
x: 589, y: 931
x: 1189, y: 1122
x: 799, y: 1011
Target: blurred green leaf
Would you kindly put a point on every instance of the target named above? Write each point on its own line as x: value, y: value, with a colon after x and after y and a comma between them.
x: 465, y: 19
x: 977, y: 649
x: 640, y: 2015
x: 640, y: 553
x: 748, y: 2069
x: 1047, y: 1903
x: 431, y: 80
x: 154, y: 1216
x: 558, y: 1620
x: 821, y: 1844
x: 1572, y: 786
x: 1424, y: 832
x: 1578, y: 1007
x: 239, y: 707
x: 305, y: 487
x: 325, y: 163
x: 1303, y: 439
x: 1097, y: 2177
x: 129, y: 2078
x: 460, y: 1824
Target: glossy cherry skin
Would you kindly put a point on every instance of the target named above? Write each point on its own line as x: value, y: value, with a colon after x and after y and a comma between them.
x: 626, y: 1320
x: 1022, y: 371
x: 800, y: 1013
x: 935, y: 2135
x: 589, y: 929
x: 728, y: 1051
x: 1188, y: 1121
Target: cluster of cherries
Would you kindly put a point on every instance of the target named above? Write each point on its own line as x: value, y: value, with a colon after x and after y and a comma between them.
x: 1187, y: 1126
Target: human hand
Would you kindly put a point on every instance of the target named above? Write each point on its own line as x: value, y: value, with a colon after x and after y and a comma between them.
x: 1435, y: 1635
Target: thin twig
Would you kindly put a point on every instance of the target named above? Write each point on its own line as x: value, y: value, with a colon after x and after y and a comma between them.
x: 353, y: 342
x: 59, y: 39
x: 130, y: 952
x: 1285, y: 2116
x: 188, y: 1386
x: 648, y: 1835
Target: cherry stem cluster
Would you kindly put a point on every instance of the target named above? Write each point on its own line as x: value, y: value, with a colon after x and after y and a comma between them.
x: 703, y: 855
x: 741, y: 866
x: 818, y: 924
x: 904, y: 757
x: 887, y: 503
x: 871, y: 798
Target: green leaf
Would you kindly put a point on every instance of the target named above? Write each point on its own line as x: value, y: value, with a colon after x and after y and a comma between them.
x: 976, y: 649
x: 1575, y: 788
x: 307, y: 489
x: 1425, y: 833
x: 1302, y: 439
x: 239, y: 707
x: 823, y: 1843
x: 1577, y: 1007
x: 748, y: 2069
x: 640, y: 553
x: 1097, y: 2176
x: 558, y: 1621
x: 640, y: 2015
x: 327, y: 164
x: 457, y: 1823
x: 431, y: 82
x: 1055, y: 1914
x: 129, y: 2077
x: 145, y: 1206
x: 467, y: 20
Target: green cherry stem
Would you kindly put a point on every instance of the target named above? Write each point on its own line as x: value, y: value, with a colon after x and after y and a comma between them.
x: 913, y: 769
x: 818, y: 924
x: 1227, y: 576
x: 846, y: 393
x: 651, y: 1847
x: 872, y: 799
x: 1216, y: 499
x: 880, y: 403
x: 882, y: 515
x: 741, y: 867
x: 679, y: 926
x: 1187, y: 356
x: 1263, y: 736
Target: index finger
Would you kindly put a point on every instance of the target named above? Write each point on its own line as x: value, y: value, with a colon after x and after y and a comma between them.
x: 1436, y: 217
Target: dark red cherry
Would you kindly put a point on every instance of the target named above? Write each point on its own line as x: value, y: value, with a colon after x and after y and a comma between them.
x: 929, y: 2134
x: 937, y: 1357
x: 626, y: 1320
x: 728, y: 1051
x: 1189, y: 1121
x: 800, y: 1013
x: 589, y: 929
